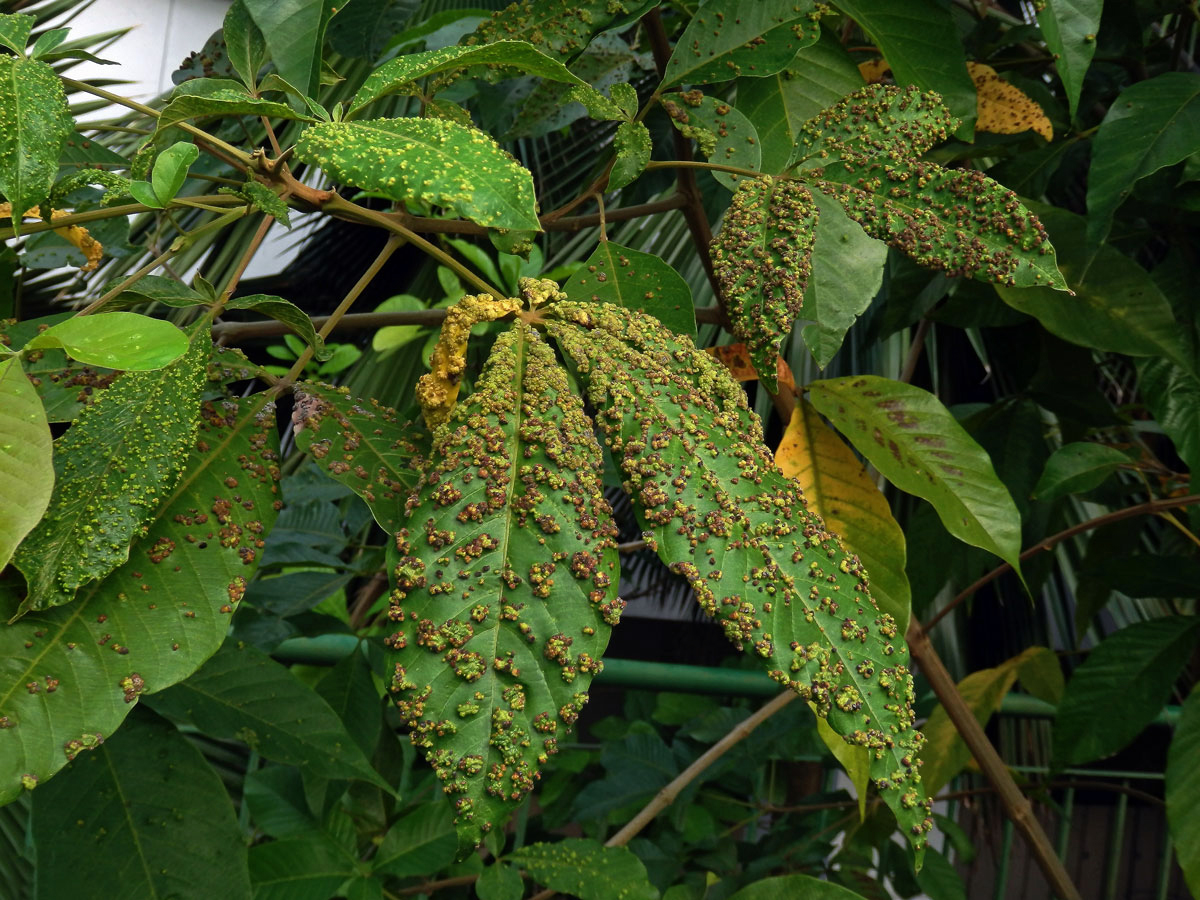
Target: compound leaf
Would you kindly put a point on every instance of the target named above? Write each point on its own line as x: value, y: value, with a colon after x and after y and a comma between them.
x: 34, y: 125
x: 634, y: 280
x: 26, y: 467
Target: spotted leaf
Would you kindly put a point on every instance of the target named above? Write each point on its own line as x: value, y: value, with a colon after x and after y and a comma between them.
x: 505, y: 584
x: 724, y: 135
x: 26, y: 469
x: 34, y: 125
x: 1004, y: 108
x: 72, y: 673
x: 560, y: 28
x: 762, y: 258
x: 433, y: 161
x: 635, y: 280
x: 782, y: 586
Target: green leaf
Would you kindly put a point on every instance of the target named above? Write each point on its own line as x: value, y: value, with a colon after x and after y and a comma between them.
x: 144, y: 815
x: 245, y: 43
x: 155, y: 289
x: 1069, y: 28
x: 586, y: 869
x: 170, y: 170
x: 910, y: 437
x: 1121, y: 687
x: 116, y: 340
x: 289, y: 314
x: 350, y: 692
x: 634, y: 280
x: 34, y: 125
x: 939, y: 880
x: 145, y: 626
x: 780, y: 104
x: 919, y: 40
x: 1143, y: 575
x: 298, y: 869
x: 723, y: 134
x: 47, y: 41
x: 26, y: 468
x: 755, y: 557
x: 15, y: 29
x: 837, y: 487
x: 1116, y: 306
x: 266, y: 200
x: 1076, y: 468
x: 499, y: 882
x: 430, y: 160
x: 1173, y: 396
x: 143, y: 193
x: 847, y: 272
x: 1040, y: 674
x: 794, y: 887
x: 206, y: 98
x: 855, y: 760
x: 421, y: 843
x: 391, y: 337
x: 509, y: 511
x: 1152, y: 124
x: 560, y: 28
x: 243, y: 694
x: 363, y: 28
x: 728, y: 38
x: 360, y: 444
x: 399, y: 75
x: 633, y: 147
x: 295, y: 32
x: 1183, y: 790
x: 114, y: 466
x: 762, y: 258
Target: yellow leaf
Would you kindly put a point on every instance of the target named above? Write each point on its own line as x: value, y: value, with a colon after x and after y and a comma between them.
x: 76, y: 234
x: 874, y: 71
x: 737, y: 360
x: 836, y: 486
x: 1003, y: 108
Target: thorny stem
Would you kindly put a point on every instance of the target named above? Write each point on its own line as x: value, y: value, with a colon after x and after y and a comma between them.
x: 1151, y: 507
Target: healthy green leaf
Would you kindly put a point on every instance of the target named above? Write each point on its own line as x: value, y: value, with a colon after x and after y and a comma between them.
x: 156, y: 289
x: 430, y: 160
x: 34, y: 125
x: 634, y: 280
x: 919, y: 40
x: 762, y: 258
x: 939, y: 880
x: 26, y: 468
x: 1183, y: 790
x: 206, y: 98
x: 47, y: 41
x: 586, y: 869
x: 916, y: 443
x: 295, y: 33
x: 15, y: 29
x: 170, y: 170
x: 114, y: 466
x: 350, y: 692
x: 399, y: 75
x: 310, y: 868
x: 847, y: 272
x: 116, y: 340
x: 1173, y: 396
x: 1069, y: 28
x: 1078, y: 467
x: 745, y: 541
x: 72, y: 673
x: 1152, y: 124
x: 144, y: 815
x: 1121, y: 687
x: 243, y: 694
x: 361, y: 445
x: 728, y: 38
x: 499, y: 881
x: 488, y: 676
x: 1142, y: 575
x: 633, y: 146
x: 245, y: 43
x: 794, y: 887
x: 420, y: 843
x: 723, y: 134
x: 363, y: 28
x: 289, y: 314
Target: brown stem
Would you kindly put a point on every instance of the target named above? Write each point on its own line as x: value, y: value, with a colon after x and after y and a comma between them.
x: 914, y: 350
x: 126, y: 209
x: 1151, y: 507
x: 1016, y: 805
x: 244, y: 262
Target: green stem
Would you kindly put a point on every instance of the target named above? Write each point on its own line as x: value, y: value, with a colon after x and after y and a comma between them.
x: 205, y: 201
x: 698, y: 164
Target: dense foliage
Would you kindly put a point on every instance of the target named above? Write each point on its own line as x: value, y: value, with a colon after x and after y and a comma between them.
x: 816, y: 229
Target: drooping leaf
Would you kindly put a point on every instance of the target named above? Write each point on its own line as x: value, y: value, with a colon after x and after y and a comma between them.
x: 155, y: 619
x: 206, y: 98
x: 921, y: 44
x: 156, y: 289
x: 399, y: 75
x: 724, y: 135
x: 728, y: 38
x: 863, y: 152
x: 144, y: 815
x: 243, y: 694
x: 244, y: 42
x: 755, y: 557
x: 1173, y: 396
x: 560, y: 28
x: 289, y: 314
x: 634, y: 280
x: 586, y: 869
x: 34, y: 125
x: 1078, y: 467
x: 916, y: 443
x: 431, y: 160
x: 1004, y: 108
x: 1152, y: 124
x: 114, y: 467
x: 794, y: 887
x: 838, y: 489
x: 1121, y: 687
x: 15, y: 29
x: 301, y: 868
x: 116, y: 340
x: 420, y: 843
x: 847, y: 271
x: 1183, y: 790
x: 1069, y: 28
x: 1116, y: 305
x: 26, y: 468
x: 488, y: 676
x: 295, y: 32
x: 361, y: 445
x: 633, y: 146
x: 762, y: 258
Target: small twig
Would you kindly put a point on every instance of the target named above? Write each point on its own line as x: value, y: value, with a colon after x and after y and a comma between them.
x: 914, y: 350
x: 244, y: 263
x: 431, y: 886
x: 126, y: 209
